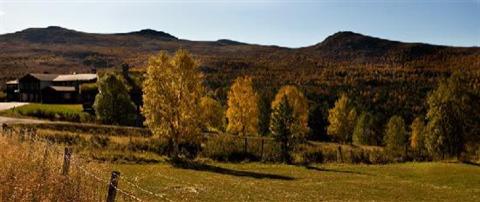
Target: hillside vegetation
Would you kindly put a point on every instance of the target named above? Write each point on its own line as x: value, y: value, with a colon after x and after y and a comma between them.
x: 387, y: 77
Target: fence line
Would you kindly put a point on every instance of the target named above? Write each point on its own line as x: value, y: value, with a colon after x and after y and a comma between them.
x: 99, y: 179
x: 31, y: 135
x: 160, y: 196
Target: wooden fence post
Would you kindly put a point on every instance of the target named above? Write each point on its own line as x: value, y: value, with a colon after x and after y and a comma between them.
x: 112, y: 186
x: 66, y: 160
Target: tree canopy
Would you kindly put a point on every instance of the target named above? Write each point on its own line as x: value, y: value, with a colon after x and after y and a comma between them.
x: 417, y: 137
x: 364, y: 133
x: 298, y: 103
x: 284, y: 127
x: 341, y: 120
x: 112, y: 103
x: 243, y: 110
x: 396, y: 138
x: 213, y: 114
x: 453, y: 111
x: 172, y: 91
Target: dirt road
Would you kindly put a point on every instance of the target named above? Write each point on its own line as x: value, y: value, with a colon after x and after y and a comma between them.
x: 9, y: 120
x: 9, y: 105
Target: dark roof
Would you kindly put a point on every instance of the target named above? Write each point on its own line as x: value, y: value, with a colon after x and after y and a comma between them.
x: 44, y: 77
x: 62, y: 88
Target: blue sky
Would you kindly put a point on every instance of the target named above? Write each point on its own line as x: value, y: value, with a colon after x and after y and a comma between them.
x: 283, y: 22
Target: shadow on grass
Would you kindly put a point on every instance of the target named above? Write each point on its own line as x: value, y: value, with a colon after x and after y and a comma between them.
x: 471, y: 163
x: 336, y: 171
x: 185, y: 164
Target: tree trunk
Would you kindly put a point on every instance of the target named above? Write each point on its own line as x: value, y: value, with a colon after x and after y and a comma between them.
x: 175, y: 151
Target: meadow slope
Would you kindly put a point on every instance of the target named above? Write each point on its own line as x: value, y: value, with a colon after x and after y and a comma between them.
x: 331, y: 182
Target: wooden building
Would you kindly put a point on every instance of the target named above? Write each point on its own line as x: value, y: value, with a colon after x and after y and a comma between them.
x: 49, y: 88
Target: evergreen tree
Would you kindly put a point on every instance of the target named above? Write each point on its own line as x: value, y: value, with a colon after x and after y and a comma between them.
x: 317, y: 122
x: 299, y: 104
x: 283, y: 127
x: 264, y: 117
x: 112, y: 103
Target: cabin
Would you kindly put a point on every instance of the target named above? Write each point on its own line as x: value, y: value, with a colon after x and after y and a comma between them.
x: 49, y: 88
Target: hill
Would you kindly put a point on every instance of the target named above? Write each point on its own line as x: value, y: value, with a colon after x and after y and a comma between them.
x: 386, y: 77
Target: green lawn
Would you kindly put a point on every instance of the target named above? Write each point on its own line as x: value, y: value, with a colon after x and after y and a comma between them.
x: 61, y: 112
x: 277, y: 182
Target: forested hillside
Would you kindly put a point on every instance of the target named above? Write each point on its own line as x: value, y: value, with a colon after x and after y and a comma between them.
x: 383, y: 77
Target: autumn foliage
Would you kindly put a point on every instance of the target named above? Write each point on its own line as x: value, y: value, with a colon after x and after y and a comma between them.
x: 172, y: 92
x: 243, y: 111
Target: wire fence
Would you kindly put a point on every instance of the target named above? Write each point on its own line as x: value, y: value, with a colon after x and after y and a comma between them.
x: 128, y: 191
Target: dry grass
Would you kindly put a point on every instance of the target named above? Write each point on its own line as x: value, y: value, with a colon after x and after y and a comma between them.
x: 31, y: 171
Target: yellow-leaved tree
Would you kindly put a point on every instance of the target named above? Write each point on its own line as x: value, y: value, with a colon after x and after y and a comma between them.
x: 171, y: 95
x: 243, y: 112
x: 342, y: 120
x: 299, y: 104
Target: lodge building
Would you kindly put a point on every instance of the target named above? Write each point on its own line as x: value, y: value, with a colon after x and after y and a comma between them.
x: 49, y: 88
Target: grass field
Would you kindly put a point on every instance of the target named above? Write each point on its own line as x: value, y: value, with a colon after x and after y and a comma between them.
x: 277, y: 182
x: 59, y: 112
x: 207, y: 180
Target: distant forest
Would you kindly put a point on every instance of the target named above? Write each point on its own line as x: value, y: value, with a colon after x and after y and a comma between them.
x: 382, y: 77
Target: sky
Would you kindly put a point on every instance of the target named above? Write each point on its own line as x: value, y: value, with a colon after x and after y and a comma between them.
x: 286, y: 23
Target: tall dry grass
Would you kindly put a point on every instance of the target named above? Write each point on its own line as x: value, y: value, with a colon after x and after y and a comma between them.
x: 31, y: 171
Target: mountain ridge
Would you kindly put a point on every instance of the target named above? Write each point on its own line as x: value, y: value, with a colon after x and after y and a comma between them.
x: 384, y: 76
x: 148, y: 32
